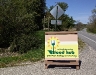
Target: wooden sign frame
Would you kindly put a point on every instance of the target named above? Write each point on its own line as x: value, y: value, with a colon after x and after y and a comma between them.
x: 70, y: 61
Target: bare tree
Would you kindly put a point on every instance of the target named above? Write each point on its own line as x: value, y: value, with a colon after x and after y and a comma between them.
x: 92, y: 23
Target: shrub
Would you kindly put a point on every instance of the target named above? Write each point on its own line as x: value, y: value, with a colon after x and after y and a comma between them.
x: 6, y: 36
x: 24, y: 43
x: 26, y: 37
x: 92, y: 28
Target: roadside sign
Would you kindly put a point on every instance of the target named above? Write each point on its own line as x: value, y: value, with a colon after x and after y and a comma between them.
x: 59, y: 22
x: 61, y: 47
x: 60, y: 11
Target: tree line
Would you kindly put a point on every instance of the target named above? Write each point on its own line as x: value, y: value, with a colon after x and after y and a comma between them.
x: 21, y: 19
x: 92, y: 22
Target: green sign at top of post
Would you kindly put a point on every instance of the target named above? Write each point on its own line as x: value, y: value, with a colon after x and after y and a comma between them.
x: 54, y: 11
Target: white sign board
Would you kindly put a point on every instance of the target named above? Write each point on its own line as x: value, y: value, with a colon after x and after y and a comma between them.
x: 59, y: 22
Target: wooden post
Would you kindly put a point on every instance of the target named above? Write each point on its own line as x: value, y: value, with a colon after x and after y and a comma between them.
x: 48, y: 22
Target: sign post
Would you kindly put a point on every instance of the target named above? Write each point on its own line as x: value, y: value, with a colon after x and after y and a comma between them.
x: 56, y: 12
x: 56, y: 17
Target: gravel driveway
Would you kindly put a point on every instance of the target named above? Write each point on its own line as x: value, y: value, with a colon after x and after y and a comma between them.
x: 88, y: 67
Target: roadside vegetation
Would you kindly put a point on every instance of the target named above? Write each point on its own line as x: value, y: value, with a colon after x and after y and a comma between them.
x: 92, y: 24
x: 22, y: 35
x: 80, y: 26
x: 32, y: 55
x: 81, y: 44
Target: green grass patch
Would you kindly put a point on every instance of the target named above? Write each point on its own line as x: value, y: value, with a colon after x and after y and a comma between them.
x: 32, y: 55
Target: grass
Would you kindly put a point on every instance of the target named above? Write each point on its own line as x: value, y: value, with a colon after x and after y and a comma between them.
x: 32, y: 55
x: 91, y: 32
x: 88, y: 31
x: 81, y: 44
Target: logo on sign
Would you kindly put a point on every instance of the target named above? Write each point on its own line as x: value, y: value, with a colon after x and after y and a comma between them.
x: 53, y: 45
x: 53, y: 41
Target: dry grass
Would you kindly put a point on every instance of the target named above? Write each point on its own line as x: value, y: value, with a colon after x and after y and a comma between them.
x: 72, y: 29
x: 81, y: 44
